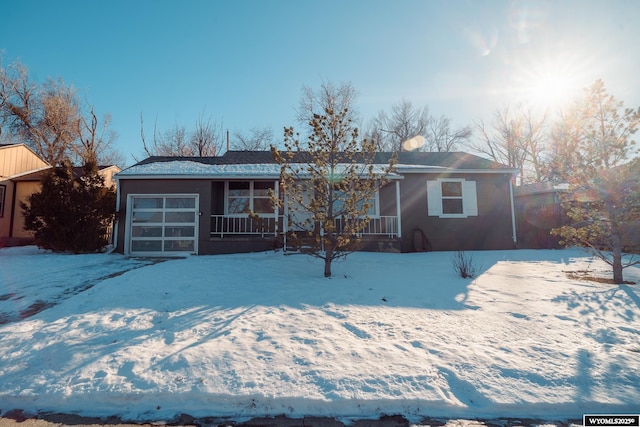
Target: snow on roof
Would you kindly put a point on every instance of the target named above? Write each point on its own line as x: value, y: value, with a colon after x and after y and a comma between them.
x: 187, y: 168
x: 191, y: 168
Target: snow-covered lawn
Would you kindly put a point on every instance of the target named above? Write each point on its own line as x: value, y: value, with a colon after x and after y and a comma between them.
x: 265, y: 334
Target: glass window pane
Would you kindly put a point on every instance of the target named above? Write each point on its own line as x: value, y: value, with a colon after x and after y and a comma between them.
x: 147, y: 217
x: 180, y: 217
x: 451, y: 189
x: 137, y: 231
x: 239, y: 189
x: 262, y: 205
x: 179, y: 231
x: 147, y: 202
x: 238, y: 205
x: 181, y: 202
x: 179, y: 245
x: 146, y: 245
x: 262, y: 188
x: 451, y: 206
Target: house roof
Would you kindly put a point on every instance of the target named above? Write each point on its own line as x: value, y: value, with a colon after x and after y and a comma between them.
x: 540, y: 188
x: 37, y: 175
x: 262, y: 164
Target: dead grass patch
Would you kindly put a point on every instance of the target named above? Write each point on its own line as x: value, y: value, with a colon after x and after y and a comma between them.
x: 587, y: 275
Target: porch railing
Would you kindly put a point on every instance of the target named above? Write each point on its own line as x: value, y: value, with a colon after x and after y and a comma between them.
x: 378, y: 226
x: 222, y: 225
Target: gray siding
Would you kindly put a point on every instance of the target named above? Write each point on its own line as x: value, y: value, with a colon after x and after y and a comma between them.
x: 491, y: 229
x: 165, y: 186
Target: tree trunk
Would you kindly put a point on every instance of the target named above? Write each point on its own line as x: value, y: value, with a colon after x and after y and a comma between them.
x: 327, y: 260
x: 617, y: 268
x: 327, y: 267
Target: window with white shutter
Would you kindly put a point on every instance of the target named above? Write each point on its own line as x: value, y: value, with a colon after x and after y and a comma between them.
x: 452, y: 198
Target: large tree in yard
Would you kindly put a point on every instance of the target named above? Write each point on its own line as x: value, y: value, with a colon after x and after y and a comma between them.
x: 329, y: 181
x: 594, y: 154
x: 71, y: 213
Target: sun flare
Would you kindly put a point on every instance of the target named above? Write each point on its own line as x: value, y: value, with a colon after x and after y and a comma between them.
x: 551, y: 83
x: 551, y: 89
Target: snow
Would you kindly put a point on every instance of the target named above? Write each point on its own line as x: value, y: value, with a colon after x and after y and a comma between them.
x: 188, y: 168
x: 191, y: 168
x: 264, y: 334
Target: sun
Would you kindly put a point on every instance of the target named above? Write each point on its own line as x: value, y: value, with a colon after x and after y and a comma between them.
x: 551, y: 89
x: 550, y: 83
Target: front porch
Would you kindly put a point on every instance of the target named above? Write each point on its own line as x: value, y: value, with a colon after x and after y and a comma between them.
x: 379, y: 232
x: 264, y: 226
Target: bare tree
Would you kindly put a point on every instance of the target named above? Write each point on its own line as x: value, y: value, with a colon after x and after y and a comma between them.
x: 402, y: 123
x: 440, y: 137
x: 49, y: 118
x: 204, y: 140
x: 515, y: 138
x: 257, y: 138
x: 96, y: 140
x: 391, y: 131
x: 45, y: 116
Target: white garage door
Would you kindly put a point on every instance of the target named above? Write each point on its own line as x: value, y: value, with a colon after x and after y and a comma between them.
x: 162, y: 224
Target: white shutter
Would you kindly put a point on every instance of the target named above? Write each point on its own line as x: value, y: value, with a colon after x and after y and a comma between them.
x: 469, y: 198
x: 434, y: 198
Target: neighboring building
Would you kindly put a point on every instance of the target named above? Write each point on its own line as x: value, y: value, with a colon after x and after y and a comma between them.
x: 21, y: 171
x: 538, y: 211
x: 198, y: 205
x: 17, y: 163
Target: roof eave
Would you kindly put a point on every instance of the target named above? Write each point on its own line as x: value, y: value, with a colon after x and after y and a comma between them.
x: 457, y: 170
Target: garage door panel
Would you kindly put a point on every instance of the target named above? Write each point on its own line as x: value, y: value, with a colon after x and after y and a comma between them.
x: 137, y: 231
x: 180, y: 216
x: 181, y: 202
x: 179, y: 245
x: 173, y: 231
x: 163, y: 224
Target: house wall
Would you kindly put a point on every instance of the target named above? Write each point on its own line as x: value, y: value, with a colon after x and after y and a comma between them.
x: 5, y: 214
x: 24, y: 189
x: 165, y: 186
x: 211, y: 200
x: 17, y: 159
x: 491, y: 229
x: 12, y: 230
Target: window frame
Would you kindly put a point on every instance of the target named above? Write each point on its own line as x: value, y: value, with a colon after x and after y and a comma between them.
x: 251, y: 196
x: 375, y: 198
x: 435, y: 198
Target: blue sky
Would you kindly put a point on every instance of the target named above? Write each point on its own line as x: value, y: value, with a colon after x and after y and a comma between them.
x: 244, y: 62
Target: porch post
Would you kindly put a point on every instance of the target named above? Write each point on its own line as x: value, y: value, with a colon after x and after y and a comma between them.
x: 276, y: 208
x: 285, y: 218
x: 398, y: 209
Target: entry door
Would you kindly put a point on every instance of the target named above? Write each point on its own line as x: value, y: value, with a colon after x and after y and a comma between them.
x: 163, y: 224
x: 300, y: 217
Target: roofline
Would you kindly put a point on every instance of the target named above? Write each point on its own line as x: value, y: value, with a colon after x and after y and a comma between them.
x: 454, y: 170
x: 218, y: 177
x: 193, y: 176
x: 18, y: 175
